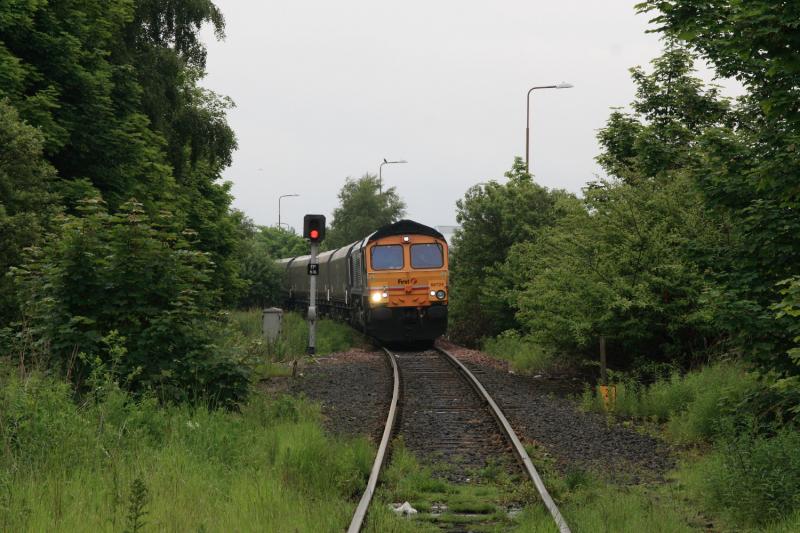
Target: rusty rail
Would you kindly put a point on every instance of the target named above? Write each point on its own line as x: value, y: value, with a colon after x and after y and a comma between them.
x: 497, y: 413
x: 519, y: 450
x: 377, y: 465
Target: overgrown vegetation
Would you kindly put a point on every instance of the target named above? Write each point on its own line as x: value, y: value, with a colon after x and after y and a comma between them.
x: 115, y: 225
x: 684, y: 259
x: 751, y: 476
x: 113, y: 461
x: 524, y: 354
x: 272, y: 358
x: 483, y: 503
x: 683, y: 253
x: 130, y: 294
x: 500, y: 503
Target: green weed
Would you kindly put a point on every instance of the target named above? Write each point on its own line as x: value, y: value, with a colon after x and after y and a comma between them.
x: 751, y: 480
x: 113, y: 461
x: 136, y: 508
x: 292, y: 343
x: 524, y: 354
x: 751, y: 475
x: 691, y: 405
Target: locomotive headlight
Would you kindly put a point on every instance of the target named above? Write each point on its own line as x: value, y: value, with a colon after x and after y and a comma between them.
x: 441, y: 294
x: 385, y: 294
x: 433, y: 293
x: 376, y: 297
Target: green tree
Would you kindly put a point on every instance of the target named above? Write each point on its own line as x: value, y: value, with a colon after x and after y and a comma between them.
x: 634, y: 259
x: 280, y: 243
x: 363, y: 208
x: 671, y: 109
x: 113, y: 86
x: 63, y: 77
x: 619, y: 263
x: 27, y: 202
x: 493, y: 217
x: 750, y: 171
x: 259, y: 248
x: 755, y: 42
x: 126, y: 292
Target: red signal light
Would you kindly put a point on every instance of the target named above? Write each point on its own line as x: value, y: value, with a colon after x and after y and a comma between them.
x: 314, y: 228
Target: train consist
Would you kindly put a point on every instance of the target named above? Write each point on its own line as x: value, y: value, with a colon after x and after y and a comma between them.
x: 392, y: 284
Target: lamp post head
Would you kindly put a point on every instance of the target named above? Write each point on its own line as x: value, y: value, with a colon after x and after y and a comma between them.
x: 564, y: 85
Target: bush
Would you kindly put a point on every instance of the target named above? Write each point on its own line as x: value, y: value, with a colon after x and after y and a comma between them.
x: 123, y: 284
x: 752, y: 479
x: 263, y: 278
x: 692, y: 405
x: 27, y: 200
x: 523, y: 353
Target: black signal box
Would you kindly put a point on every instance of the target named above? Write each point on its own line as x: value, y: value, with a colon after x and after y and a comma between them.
x: 314, y: 227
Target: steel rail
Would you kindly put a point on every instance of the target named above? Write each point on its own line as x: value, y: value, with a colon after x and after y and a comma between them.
x: 366, y: 498
x: 519, y: 450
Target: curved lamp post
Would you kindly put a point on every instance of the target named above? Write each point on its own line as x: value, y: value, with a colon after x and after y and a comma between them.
x: 561, y: 85
x: 380, y: 171
x: 279, y: 205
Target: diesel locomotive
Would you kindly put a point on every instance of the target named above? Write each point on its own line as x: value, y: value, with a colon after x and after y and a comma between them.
x: 392, y: 284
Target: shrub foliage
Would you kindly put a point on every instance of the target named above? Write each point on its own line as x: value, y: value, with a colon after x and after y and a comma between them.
x: 122, y: 284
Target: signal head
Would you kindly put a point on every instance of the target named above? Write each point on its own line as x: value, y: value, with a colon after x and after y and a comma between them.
x: 314, y: 228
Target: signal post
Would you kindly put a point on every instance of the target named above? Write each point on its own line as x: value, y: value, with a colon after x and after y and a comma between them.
x: 314, y: 231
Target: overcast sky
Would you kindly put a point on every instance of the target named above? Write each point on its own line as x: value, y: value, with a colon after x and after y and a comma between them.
x: 325, y: 90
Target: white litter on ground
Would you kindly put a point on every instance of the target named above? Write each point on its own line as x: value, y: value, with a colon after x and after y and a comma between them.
x: 403, y: 509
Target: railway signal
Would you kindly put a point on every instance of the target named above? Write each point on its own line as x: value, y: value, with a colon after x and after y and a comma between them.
x: 314, y: 231
x: 314, y: 228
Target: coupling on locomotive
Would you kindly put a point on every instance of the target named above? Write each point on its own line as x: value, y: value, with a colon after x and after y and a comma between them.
x: 392, y: 284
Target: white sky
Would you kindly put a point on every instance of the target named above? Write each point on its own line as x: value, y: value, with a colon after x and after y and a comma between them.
x: 326, y: 90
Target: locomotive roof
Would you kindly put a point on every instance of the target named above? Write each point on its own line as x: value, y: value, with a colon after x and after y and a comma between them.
x: 404, y: 227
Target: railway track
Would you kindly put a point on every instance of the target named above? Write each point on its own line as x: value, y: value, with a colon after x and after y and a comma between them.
x: 442, y: 409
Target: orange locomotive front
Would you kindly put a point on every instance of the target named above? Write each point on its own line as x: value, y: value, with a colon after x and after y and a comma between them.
x: 407, y: 287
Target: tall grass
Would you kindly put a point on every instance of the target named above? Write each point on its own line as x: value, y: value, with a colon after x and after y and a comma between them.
x: 332, y: 336
x: 750, y: 477
x: 608, y: 508
x: 751, y: 480
x: 67, y: 466
x: 691, y: 405
x: 524, y: 354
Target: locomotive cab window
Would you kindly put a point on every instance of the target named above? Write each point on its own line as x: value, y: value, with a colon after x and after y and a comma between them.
x: 387, y: 257
x: 426, y: 255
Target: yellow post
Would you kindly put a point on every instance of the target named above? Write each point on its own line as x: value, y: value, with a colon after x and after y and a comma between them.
x: 609, y: 395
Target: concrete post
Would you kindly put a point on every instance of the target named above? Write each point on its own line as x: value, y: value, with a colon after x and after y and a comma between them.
x: 312, y: 301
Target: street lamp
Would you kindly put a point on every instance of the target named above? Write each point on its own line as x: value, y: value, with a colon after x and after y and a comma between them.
x: 561, y: 85
x: 279, y: 205
x: 380, y: 171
